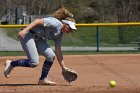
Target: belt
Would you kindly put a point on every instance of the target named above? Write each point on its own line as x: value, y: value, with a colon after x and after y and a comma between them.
x: 32, y: 31
x: 34, y: 35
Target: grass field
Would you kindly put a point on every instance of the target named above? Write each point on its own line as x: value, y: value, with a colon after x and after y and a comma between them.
x: 20, y: 53
x: 86, y: 36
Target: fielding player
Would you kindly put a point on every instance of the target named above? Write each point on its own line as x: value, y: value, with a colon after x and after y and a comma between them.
x: 33, y: 40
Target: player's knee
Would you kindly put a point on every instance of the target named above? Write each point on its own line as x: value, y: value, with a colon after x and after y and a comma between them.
x: 34, y: 63
x: 51, y: 57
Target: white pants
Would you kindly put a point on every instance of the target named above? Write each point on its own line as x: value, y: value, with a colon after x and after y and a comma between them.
x: 33, y: 48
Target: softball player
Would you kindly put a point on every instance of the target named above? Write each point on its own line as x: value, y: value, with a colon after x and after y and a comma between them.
x: 33, y: 40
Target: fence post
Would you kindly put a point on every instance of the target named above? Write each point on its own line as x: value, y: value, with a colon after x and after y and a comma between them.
x: 97, y: 38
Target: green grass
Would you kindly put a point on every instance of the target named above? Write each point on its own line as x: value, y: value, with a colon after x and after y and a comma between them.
x: 12, y: 53
x: 83, y: 37
x: 13, y: 32
x: 86, y: 36
x: 17, y: 53
x: 101, y: 52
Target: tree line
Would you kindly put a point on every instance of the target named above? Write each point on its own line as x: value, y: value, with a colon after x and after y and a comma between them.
x: 85, y: 11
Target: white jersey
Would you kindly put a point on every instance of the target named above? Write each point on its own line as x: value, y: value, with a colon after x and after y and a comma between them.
x: 34, y: 43
x: 51, y: 29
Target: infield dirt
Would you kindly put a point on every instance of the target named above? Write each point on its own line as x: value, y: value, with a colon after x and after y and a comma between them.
x: 95, y: 72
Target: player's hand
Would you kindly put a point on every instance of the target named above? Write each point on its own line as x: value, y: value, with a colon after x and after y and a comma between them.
x: 69, y: 74
x: 22, y: 33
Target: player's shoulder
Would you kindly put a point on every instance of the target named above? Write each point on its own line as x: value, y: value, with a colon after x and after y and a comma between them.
x: 52, y: 19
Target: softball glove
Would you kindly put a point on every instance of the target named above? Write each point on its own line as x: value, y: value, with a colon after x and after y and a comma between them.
x: 69, y: 75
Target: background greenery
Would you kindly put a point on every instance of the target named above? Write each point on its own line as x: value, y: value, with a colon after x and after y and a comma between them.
x: 85, y: 11
x: 19, y: 53
x: 86, y: 36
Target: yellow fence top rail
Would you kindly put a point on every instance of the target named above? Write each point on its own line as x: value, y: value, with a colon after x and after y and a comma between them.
x: 12, y: 26
x: 82, y: 25
x: 109, y: 24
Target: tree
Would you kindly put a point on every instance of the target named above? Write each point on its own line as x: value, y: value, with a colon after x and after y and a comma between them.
x: 126, y: 12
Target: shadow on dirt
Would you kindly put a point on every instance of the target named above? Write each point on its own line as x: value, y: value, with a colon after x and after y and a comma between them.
x: 33, y: 85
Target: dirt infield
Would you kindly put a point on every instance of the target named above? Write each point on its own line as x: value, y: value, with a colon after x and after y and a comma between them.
x: 95, y: 71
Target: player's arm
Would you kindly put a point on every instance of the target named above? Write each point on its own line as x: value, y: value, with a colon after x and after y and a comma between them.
x: 36, y: 22
x: 59, y: 54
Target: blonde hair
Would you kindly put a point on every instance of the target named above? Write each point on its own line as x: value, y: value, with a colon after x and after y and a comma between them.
x: 62, y: 13
x: 70, y: 19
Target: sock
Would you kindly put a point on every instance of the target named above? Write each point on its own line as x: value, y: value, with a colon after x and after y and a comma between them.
x: 22, y: 63
x: 45, y: 69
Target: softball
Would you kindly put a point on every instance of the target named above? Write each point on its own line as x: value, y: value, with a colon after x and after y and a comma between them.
x: 112, y: 83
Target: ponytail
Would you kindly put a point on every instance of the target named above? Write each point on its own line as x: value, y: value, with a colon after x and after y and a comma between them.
x: 62, y: 13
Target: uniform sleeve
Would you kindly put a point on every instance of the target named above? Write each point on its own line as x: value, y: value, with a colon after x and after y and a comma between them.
x: 58, y: 41
x: 47, y: 21
x: 58, y: 50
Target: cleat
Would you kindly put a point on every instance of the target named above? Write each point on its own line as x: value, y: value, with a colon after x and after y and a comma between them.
x: 8, y: 68
x: 46, y: 82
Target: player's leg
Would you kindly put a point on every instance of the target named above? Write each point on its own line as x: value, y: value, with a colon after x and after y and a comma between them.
x: 45, y: 50
x: 29, y: 47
